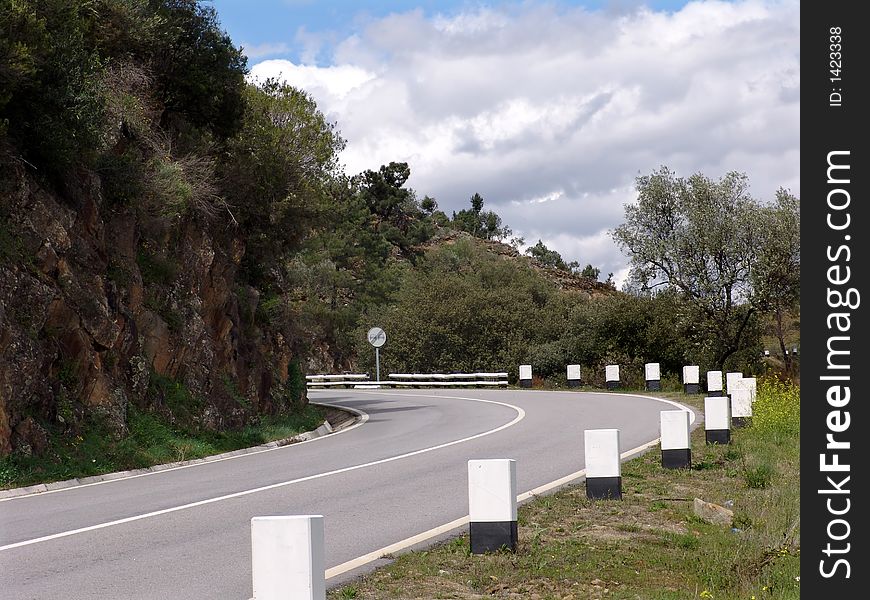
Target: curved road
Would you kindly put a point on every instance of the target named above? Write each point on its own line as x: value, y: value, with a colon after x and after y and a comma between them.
x: 185, y: 533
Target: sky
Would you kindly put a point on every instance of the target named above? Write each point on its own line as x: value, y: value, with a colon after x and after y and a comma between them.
x: 549, y: 110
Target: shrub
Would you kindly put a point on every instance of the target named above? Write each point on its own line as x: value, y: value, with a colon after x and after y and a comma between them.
x: 777, y: 407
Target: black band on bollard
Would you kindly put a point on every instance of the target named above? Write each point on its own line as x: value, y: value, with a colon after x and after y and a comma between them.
x: 691, y: 388
x: 740, y: 422
x: 677, y: 458
x: 612, y: 385
x: 653, y: 385
x: 525, y: 383
x: 492, y: 536
x: 718, y: 436
x: 604, y: 488
x: 573, y: 383
x: 715, y: 393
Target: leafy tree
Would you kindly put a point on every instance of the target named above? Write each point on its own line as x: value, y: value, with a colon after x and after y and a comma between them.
x: 398, y: 215
x: 705, y: 239
x: 591, y: 272
x: 277, y: 170
x: 462, y: 308
x: 547, y: 257
x: 777, y: 276
x: 200, y: 73
x: 51, y: 102
x: 482, y: 224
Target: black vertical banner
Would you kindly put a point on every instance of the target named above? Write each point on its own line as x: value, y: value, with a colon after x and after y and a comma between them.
x: 835, y: 426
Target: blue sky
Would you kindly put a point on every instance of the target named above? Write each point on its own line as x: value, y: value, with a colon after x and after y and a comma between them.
x: 549, y: 110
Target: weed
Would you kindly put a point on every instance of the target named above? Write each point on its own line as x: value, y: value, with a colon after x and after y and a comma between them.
x: 348, y: 592
x: 758, y: 477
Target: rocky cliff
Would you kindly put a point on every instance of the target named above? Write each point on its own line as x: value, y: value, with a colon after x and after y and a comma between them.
x: 103, y: 308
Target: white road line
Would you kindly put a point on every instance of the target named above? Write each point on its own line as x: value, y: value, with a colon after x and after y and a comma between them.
x: 520, y: 416
x: 363, y: 418
x: 447, y: 527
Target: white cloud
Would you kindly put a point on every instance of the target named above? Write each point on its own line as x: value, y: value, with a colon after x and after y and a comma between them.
x: 550, y: 113
x: 267, y: 49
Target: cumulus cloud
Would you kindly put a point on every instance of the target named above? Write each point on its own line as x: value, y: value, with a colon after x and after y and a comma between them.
x: 551, y: 112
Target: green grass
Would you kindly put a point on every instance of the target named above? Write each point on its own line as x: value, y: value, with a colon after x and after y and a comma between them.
x: 150, y: 441
x: 650, y: 545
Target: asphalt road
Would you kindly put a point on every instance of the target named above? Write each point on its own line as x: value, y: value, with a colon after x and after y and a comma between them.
x: 185, y: 533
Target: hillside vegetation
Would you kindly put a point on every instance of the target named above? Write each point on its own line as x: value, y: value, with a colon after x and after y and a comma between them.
x: 180, y: 246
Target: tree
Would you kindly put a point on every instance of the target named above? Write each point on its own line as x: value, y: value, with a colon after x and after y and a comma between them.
x: 707, y: 240
x: 276, y: 171
x: 399, y: 217
x: 547, y: 257
x: 591, y: 272
x: 778, y: 274
x: 482, y: 224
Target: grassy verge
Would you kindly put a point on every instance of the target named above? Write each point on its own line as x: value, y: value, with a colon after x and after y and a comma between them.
x: 150, y: 441
x: 650, y: 545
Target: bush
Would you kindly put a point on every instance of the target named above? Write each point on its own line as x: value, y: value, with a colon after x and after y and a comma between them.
x: 777, y: 407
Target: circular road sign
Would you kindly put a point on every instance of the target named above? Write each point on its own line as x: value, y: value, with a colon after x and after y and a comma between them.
x: 377, y: 337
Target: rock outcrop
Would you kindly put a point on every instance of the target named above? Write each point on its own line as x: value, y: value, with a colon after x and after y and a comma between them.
x: 100, y: 303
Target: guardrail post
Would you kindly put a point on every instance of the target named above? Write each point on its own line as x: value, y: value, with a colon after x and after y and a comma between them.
x: 288, y: 558
x: 714, y: 383
x: 573, y: 376
x: 676, y: 447
x: 611, y: 377
x: 717, y: 420
x: 653, y: 376
x: 492, y: 504
x: 526, y: 376
x: 691, y: 379
x: 603, y: 467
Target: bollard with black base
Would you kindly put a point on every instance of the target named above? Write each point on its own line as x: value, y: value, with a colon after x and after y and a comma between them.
x: 573, y: 376
x: 526, y: 376
x: 717, y: 420
x: 611, y: 377
x: 653, y: 376
x: 287, y: 555
x: 692, y: 379
x: 714, y: 383
x: 492, y: 504
x: 741, y: 404
x: 603, y: 468
x: 676, y: 448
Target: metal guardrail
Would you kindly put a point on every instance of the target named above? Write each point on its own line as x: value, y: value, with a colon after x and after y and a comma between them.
x: 410, y: 380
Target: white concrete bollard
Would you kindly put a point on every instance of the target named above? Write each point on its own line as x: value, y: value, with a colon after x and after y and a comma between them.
x: 526, y: 376
x: 573, y: 376
x: 717, y: 420
x: 288, y: 558
x: 714, y: 383
x: 676, y: 447
x: 741, y: 404
x: 692, y: 379
x: 492, y: 504
x: 611, y: 377
x: 653, y: 376
x: 731, y: 380
x: 603, y: 468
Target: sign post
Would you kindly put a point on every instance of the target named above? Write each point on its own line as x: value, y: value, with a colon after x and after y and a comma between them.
x: 377, y: 338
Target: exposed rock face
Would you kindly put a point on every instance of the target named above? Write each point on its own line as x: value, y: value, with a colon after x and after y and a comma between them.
x: 96, y: 301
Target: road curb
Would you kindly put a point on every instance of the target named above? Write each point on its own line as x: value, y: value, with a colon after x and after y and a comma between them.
x: 324, y: 429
